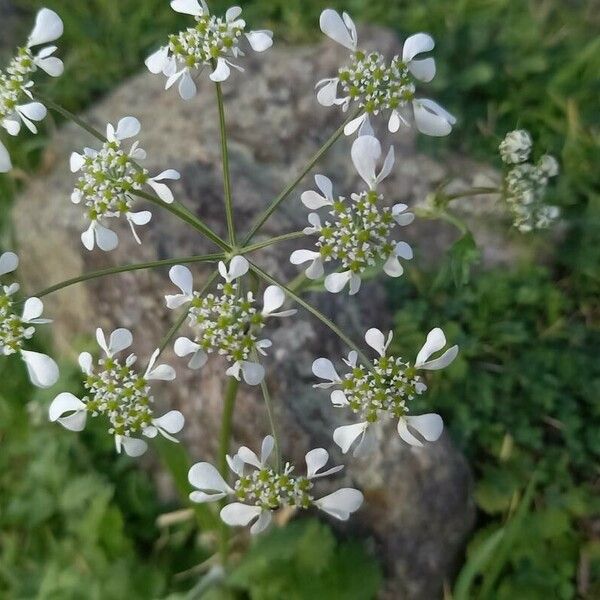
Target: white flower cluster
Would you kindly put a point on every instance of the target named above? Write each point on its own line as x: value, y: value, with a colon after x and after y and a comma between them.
x: 384, y: 389
x: 118, y: 392
x: 108, y: 178
x: 358, y: 234
x: 16, y: 81
x: 211, y: 42
x: 376, y: 86
x: 227, y: 323
x: 263, y: 490
x: 526, y: 182
x: 17, y: 329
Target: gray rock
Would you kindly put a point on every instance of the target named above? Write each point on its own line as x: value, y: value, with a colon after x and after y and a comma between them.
x: 418, y: 509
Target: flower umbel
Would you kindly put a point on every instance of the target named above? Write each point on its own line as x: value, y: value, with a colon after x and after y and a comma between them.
x: 263, y: 490
x: 357, y: 235
x: 212, y: 42
x: 16, y: 82
x: 116, y: 390
x: 384, y: 389
x: 108, y: 178
x: 376, y: 86
x: 227, y: 323
x: 17, y: 329
x: 526, y: 183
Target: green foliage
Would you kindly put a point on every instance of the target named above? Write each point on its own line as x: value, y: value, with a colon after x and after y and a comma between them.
x: 304, y: 561
x: 522, y: 398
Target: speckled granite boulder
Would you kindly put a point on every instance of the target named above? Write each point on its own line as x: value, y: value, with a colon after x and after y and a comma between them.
x: 418, y: 509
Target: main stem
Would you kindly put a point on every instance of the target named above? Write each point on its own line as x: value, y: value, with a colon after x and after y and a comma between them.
x: 225, y: 161
x: 224, y: 441
x: 262, y: 219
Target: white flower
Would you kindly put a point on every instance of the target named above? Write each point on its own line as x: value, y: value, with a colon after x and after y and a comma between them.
x: 121, y: 394
x: 16, y: 81
x: 212, y: 42
x: 108, y: 180
x: 526, y: 183
x: 358, y: 234
x: 227, y: 323
x: 384, y: 389
x: 262, y: 490
x: 376, y: 86
x: 16, y: 329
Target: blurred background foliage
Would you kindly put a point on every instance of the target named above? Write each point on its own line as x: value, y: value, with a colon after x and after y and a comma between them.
x: 522, y: 402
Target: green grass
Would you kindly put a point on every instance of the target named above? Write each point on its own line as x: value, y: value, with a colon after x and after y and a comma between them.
x: 521, y: 399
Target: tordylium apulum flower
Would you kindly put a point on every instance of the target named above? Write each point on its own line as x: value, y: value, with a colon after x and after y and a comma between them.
x: 213, y: 42
x: 122, y: 394
x: 384, y: 389
x: 357, y: 234
x: 16, y: 329
x: 526, y: 183
x: 227, y: 323
x: 16, y: 81
x: 375, y: 86
x: 108, y: 179
x: 262, y: 490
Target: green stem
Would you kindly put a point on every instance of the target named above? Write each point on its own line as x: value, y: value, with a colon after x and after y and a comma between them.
x: 453, y: 220
x: 181, y: 212
x: 478, y: 191
x: 70, y: 116
x: 271, y: 417
x: 225, y: 161
x: 127, y: 268
x: 262, y: 219
x: 280, y: 238
x: 224, y: 441
x: 315, y: 312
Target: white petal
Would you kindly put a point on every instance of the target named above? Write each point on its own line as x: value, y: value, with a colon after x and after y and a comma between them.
x: 161, y: 373
x: 253, y: 373
x: 342, y: 503
x: 187, y: 87
x: 333, y: 26
x: 316, y: 269
x: 69, y: 411
x: 9, y: 262
x: 400, y: 216
x: 157, y: 61
x: 403, y: 250
x: 12, y: 126
x: 392, y: 266
x: 346, y: 435
x: 162, y: 191
x: 221, y: 72
x: 423, y: 70
x: 366, y: 151
x: 238, y: 267
x: 5, y: 162
x: 338, y: 398
x: 315, y: 460
x: 442, y: 361
x: 202, y: 497
x: 127, y: 127
x: 142, y: 217
x: 355, y: 282
x: 236, y: 464
x: 35, y: 111
x: 76, y: 162
x: 52, y: 65
x: 48, y: 27
x: 266, y: 449
x: 273, y: 298
x: 238, y: 514
x: 416, y: 44
x: 431, y: 119
x: 299, y: 257
x: 181, y: 276
x: 187, y: 7
x: 88, y: 237
x: 205, y: 477
x: 353, y: 125
x: 43, y: 371
x: 375, y: 338
x: 106, y: 239
x: 313, y: 201
x: 430, y: 426
x: 171, y: 422
x: 388, y: 165
x: 249, y: 457
x: 327, y: 94
x: 234, y: 370
x: 335, y: 282
x: 184, y: 346
x: 132, y: 446
x: 85, y: 362
x: 263, y: 521
x: 32, y: 309
x: 120, y: 339
x: 435, y: 341
x: 101, y: 340
x: 260, y: 40
x: 324, y: 369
